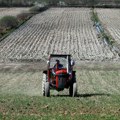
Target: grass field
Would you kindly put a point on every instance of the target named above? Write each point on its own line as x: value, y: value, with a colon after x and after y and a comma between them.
x: 84, y: 107
x: 98, y: 96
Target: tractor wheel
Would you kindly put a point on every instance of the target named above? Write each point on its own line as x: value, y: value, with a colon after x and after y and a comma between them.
x: 73, y: 89
x: 47, y: 89
x: 43, y: 84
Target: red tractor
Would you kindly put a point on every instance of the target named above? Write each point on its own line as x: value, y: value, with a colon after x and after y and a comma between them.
x: 59, y: 75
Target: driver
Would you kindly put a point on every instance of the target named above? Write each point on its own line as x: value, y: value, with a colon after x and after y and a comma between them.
x: 58, y: 65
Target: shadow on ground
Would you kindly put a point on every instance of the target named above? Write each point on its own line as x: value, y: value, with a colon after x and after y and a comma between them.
x: 83, y: 95
x: 92, y: 94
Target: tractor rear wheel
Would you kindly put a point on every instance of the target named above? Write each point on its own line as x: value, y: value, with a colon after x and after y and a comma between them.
x: 73, y: 89
x: 47, y: 89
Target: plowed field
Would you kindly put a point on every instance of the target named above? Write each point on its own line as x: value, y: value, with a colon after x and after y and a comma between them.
x: 111, y: 20
x: 57, y: 30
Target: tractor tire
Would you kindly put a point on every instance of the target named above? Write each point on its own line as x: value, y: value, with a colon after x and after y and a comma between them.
x: 47, y: 89
x: 43, y: 84
x: 73, y: 89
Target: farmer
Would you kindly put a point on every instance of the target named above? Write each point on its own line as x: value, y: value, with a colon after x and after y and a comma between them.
x: 58, y: 65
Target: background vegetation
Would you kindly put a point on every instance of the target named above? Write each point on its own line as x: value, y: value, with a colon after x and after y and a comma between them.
x: 99, y: 3
x: 9, y: 23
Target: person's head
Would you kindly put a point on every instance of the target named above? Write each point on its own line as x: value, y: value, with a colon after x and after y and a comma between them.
x: 57, y: 61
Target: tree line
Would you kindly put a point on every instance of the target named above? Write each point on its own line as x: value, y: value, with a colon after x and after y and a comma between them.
x: 59, y: 2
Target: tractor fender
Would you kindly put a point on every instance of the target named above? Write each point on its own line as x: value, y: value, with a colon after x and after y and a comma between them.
x: 73, y: 76
x: 73, y: 72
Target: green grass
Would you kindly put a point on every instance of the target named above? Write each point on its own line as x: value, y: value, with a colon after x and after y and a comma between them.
x: 98, y: 96
x: 94, y: 107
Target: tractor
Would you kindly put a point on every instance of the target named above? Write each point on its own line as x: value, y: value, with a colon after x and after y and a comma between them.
x: 59, y: 75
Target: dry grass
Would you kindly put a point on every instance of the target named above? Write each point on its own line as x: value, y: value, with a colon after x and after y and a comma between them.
x: 26, y: 79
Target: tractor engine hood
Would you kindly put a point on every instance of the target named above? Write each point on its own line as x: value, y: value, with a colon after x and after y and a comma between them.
x: 63, y: 71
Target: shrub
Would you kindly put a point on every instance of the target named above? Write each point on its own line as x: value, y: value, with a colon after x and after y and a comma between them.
x: 38, y: 7
x: 35, y: 9
x: 1, y: 29
x: 8, y: 22
x: 24, y: 16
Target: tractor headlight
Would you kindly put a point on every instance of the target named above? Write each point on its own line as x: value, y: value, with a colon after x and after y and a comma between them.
x: 70, y: 73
